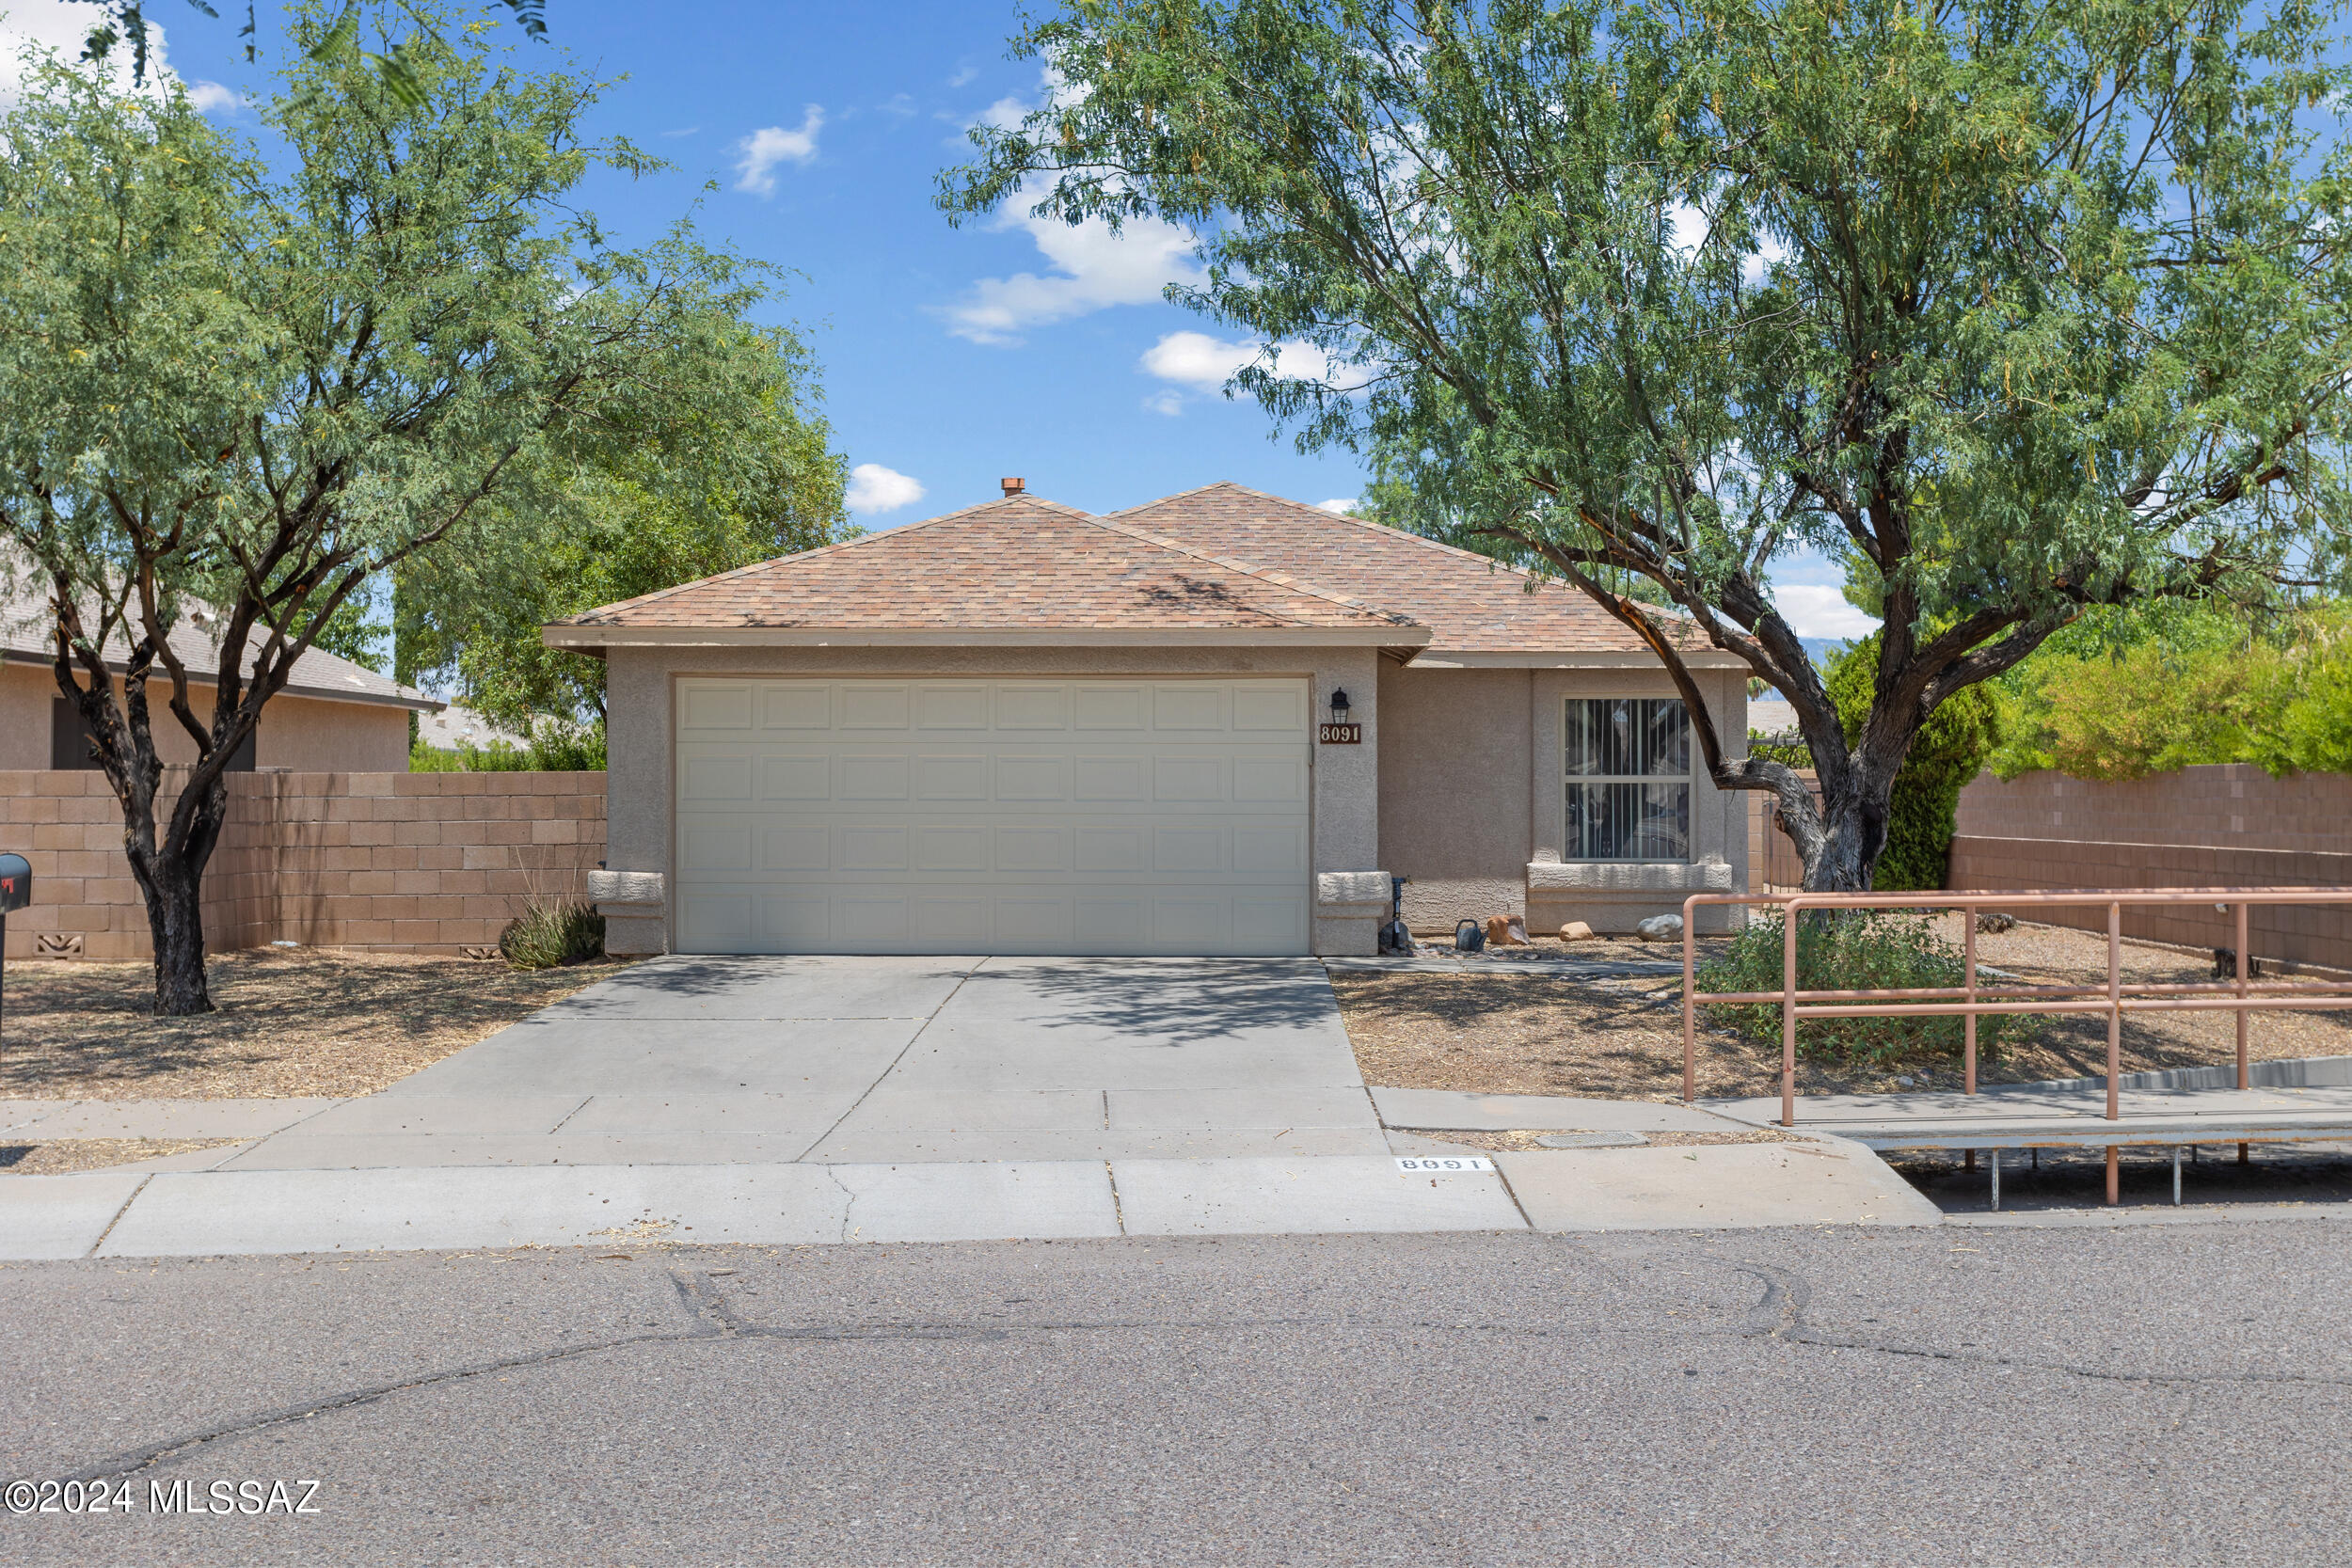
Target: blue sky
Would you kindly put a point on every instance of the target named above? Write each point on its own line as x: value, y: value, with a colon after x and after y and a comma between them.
x: 951, y: 357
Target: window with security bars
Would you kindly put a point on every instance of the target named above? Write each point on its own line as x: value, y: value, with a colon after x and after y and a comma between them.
x: 1628, y: 778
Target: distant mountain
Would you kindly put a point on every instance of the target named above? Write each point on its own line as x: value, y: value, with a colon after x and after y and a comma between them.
x: 1818, y: 649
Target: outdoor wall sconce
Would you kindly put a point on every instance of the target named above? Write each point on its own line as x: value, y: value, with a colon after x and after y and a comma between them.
x: 1338, y: 732
x: 1339, y: 706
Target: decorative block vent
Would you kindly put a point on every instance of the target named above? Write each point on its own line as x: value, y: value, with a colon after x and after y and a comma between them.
x: 57, y: 944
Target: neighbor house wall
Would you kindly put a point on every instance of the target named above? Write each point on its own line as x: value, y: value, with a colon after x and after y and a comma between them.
x: 303, y: 734
x: 641, y: 726
x: 430, y: 863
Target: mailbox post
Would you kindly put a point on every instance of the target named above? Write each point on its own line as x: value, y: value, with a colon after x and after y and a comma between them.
x: 16, y: 891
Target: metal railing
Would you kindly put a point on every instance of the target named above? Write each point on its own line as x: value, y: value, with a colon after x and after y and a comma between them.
x: 1971, y: 999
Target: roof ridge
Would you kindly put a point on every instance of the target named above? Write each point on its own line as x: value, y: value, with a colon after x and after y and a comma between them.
x: 1280, y: 580
x: 901, y: 530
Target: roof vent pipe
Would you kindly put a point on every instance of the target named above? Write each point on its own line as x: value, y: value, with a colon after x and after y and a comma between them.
x: 1013, y: 486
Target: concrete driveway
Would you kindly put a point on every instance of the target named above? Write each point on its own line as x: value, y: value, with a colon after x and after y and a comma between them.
x: 877, y: 1060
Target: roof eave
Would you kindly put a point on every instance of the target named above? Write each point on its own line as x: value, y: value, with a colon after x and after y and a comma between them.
x: 583, y: 637
x: 202, y: 675
x: 1434, y: 657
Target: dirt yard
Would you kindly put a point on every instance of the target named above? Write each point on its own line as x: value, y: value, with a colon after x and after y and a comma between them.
x: 65, y: 1155
x: 1492, y: 1031
x: 291, y: 1022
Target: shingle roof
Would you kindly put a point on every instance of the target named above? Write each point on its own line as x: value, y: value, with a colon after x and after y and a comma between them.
x: 1470, y: 603
x: 1022, y: 564
x: 25, y: 638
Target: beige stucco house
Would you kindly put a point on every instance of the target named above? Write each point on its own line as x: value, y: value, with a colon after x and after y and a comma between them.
x: 333, y: 716
x: 1217, y: 723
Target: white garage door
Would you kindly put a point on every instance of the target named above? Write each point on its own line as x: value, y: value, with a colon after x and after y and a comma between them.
x: 993, y: 817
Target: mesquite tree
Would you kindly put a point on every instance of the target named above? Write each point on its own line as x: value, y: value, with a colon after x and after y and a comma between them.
x: 2015, y: 309
x: 223, y: 387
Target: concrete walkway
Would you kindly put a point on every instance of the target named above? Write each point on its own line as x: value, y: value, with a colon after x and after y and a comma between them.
x: 903, y: 1098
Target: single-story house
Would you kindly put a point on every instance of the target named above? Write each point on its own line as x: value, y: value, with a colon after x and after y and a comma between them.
x: 1213, y: 725
x: 333, y: 716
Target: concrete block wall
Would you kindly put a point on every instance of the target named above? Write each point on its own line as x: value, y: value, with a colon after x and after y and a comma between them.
x: 406, y: 861
x: 2234, y: 805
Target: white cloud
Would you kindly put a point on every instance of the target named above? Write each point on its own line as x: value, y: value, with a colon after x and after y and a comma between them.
x: 964, y: 74
x: 1093, y: 269
x: 1203, y: 364
x: 66, y: 28
x: 1816, y: 610
x: 1344, y: 505
x: 763, y: 150
x: 1168, y: 399
x: 874, y: 489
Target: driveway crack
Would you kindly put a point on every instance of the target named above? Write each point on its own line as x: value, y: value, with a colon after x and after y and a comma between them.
x: 928, y: 1021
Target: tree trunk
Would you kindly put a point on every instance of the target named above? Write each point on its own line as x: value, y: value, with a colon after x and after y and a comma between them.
x: 175, y: 917
x: 1853, y: 830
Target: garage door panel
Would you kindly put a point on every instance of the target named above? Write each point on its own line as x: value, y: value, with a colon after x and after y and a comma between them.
x: 1032, y: 776
x: 1014, y: 817
x: 871, y: 776
x: 872, y: 706
x: 958, y: 847
x: 1189, y: 780
x: 1259, y: 780
x: 723, y: 778
x: 1117, y: 849
x: 804, y: 847
x: 1033, y: 708
x: 803, y: 777
x: 714, y: 706
x: 963, y: 776
x: 1097, y: 709
x: 789, y: 706
x: 951, y: 707
x: 1193, y: 705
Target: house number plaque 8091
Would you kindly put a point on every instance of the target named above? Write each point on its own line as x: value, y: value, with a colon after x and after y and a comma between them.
x: 1341, y: 735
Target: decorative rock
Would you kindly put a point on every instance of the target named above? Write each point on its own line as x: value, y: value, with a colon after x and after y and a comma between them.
x: 1992, y: 922
x: 1575, y: 930
x: 1659, y: 928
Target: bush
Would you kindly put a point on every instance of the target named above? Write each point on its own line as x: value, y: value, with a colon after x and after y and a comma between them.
x: 553, y: 931
x: 554, y: 750
x: 1857, y: 950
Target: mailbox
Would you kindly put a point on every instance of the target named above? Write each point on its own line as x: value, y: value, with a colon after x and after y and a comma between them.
x: 16, y: 882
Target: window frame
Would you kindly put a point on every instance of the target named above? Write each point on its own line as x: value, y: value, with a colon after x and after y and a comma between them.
x: 1688, y: 779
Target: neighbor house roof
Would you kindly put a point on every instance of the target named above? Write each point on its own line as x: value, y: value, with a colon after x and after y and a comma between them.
x: 1019, y: 569
x: 1471, y: 604
x: 27, y: 638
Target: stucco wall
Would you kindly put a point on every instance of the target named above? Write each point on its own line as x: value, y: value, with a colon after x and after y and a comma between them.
x: 303, y: 734
x: 639, y: 701
x: 1454, y: 782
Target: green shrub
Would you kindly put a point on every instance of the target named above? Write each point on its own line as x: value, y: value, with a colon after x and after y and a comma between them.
x: 552, y: 931
x: 1856, y: 950
x: 554, y: 749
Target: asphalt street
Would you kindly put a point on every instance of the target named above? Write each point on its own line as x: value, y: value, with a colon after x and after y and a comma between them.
x: 2172, y: 1393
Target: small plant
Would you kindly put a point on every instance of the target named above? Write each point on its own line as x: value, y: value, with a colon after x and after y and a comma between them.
x: 1852, y: 950
x: 552, y: 931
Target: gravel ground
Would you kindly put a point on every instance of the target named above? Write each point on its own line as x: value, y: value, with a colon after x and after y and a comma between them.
x: 72, y: 1154
x: 1538, y: 1034
x: 290, y: 1021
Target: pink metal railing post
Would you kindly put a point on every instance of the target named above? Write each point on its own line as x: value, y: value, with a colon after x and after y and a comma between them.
x: 2115, y: 1040
x: 1690, y: 1014
x: 2244, y: 1152
x: 1788, y: 1013
x: 1968, y: 964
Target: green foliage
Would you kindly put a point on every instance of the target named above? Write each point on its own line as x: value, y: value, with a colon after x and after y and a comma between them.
x: 268, y: 392
x: 625, y: 513
x: 1949, y: 750
x: 1860, y: 950
x: 553, y: 748
x: 2024, y: 307
x: 2124, y: 694
x: 552, y: 931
